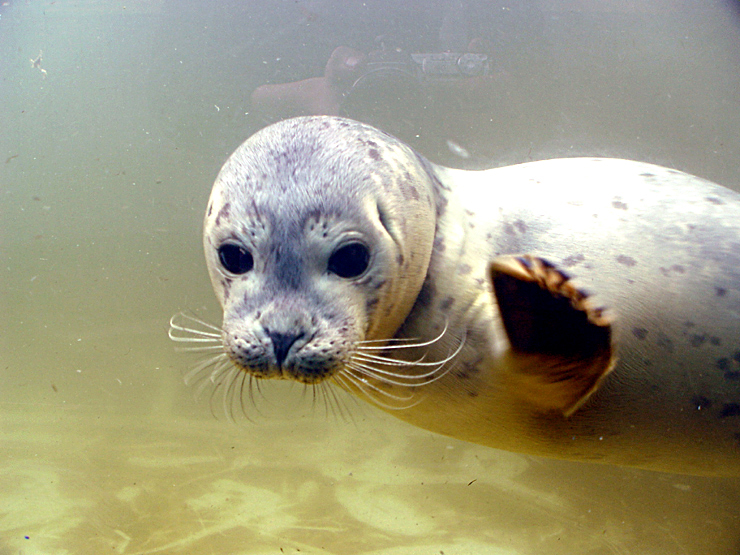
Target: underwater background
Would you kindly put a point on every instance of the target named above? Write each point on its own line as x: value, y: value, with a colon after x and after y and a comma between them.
x: 115, y: 118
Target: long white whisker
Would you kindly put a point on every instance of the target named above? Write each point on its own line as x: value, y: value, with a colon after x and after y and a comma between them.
x: 394, y: 341
x: 387, y: 361
x: 357, y: 380
x: 186, y: 334
x: 362, y: 346
x: 179, y: 339
x: 201, y: 348
x: 221, y: 369
x: 382, y: 376
x: 198, y: 368
x: 356, y: 384
x: 393, y: 362
x: 193, y: 319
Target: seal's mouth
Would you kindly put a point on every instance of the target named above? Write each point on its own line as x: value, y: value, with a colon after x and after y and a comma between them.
x: 388, y: 373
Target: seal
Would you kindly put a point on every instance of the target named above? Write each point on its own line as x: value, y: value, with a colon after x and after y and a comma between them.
x: 584, y: 309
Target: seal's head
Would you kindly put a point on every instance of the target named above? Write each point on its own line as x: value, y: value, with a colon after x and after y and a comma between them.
x: 317, y: 237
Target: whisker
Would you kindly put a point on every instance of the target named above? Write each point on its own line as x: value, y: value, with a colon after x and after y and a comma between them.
x: 246, y: 381
x: 362, y: 346
x: 221, y: 392
x: 352, y: 384
x: 387, y: 361
x: 198, y: 368
x: 364, y: 359
x: 366, y: 342
x: 327, y: 400
x: 205, y: 382
x: 344, y: 413
x: 194, y: 319
x: 228, y: 395
x: 357, y: 380
x: 221, y: 369
x: 382, y: 375
x: 182, y: 333
x: 201, y: 348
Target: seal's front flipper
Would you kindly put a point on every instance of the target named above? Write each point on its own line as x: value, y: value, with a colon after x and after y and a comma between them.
x: 561, y: 344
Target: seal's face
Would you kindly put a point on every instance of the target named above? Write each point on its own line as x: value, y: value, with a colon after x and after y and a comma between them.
x: 317, y: 237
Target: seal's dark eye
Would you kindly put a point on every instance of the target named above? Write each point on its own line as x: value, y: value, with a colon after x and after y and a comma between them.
x: 235, y: 259
x: 349, y: 261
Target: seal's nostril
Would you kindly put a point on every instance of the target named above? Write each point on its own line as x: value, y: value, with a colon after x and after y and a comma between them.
x: 281, y: 343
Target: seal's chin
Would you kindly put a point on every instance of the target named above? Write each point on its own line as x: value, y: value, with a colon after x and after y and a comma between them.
x: 302, y: 374
x: 308, y: 378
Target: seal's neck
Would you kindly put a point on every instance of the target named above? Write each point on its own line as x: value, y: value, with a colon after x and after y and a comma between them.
x: 450, y: 285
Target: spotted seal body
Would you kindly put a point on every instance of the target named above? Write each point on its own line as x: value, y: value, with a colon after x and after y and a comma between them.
x: 584, y: 309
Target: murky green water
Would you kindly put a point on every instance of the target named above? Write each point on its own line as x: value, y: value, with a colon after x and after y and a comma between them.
x: 106, y: 161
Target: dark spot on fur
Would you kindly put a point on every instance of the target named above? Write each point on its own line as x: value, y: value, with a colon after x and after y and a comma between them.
x: 425, y: 295
x: 520, y: 226
x: 509, y: 229
x: 729, y: 409
x: 732, y: 376
x: 409, y: 191
x: 626, y: 260
x: 723, y: 363
x: 464, y: 269
x: 379, y: 284
x: 370, y: 303
x: 446, y: 304
x: 619, y: 205
x: 640, y: 333
x: 720, y: 291
x: 573, y: 260
x: 374, y: 154
x: 399, y: 259
x: 716, y: 341
x: 439, y: 244
x: 647, y: 174
x: 226, y: 285
x: 210, y: 209
x: 697, y: 340
x: 715, y: 200
x: 689, y: 324
x: 223, y: 213
x: 677, y: 268
x: 736, y: 357
x: 469, y: 212
x: 664, y: 342
x: 441, y: 205
x: 701, y: 402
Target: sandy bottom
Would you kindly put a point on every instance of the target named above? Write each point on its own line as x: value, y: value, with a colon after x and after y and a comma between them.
x: 76, y: 482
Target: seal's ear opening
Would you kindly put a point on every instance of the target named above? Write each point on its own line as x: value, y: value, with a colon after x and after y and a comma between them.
x: 561, y: 345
